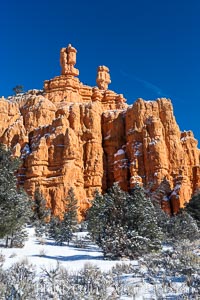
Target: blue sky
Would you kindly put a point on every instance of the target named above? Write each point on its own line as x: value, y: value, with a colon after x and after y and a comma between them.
x: 152, y: 47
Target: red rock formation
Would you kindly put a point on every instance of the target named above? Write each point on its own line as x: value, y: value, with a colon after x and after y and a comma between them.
x: 103, y: 78
x: 157, y: 149
x: 73, y: 135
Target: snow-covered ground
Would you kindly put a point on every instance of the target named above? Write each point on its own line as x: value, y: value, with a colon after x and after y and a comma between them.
x: 44, y: 254
x: 48, y: 254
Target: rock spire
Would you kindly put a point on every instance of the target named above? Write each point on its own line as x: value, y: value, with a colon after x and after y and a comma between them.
x: 103, y: 78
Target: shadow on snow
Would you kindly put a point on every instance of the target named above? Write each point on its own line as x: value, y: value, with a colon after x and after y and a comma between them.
x: 70, y: 258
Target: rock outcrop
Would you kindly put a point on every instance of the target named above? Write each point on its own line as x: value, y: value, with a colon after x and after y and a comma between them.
x: 74, y: 135
x: 152, y: 150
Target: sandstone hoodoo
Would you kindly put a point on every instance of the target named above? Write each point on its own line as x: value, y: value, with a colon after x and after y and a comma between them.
x: 75, y: 135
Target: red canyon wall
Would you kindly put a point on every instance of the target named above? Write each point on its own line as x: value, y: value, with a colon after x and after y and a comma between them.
x: 74, y: 135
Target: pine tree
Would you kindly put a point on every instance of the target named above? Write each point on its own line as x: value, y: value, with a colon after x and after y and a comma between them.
x: 15, y: 206
x: 193, y: 208
x: 182, y: 226
x: 61, y: 230
x: 145, y: 221
x: 96, y: 218
x: 18, y: 89
x: 126, y: 223
x: 41, y: 214
x: 54, y: 228
x: 177, y: 227
x: 163, y: 221
x: 69, y: 223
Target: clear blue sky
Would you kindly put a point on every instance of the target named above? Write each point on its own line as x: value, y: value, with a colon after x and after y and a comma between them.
x: 152, y: 47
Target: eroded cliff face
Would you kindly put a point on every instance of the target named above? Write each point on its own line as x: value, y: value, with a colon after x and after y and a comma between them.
x: 73, y: 135
x: 152, y: 151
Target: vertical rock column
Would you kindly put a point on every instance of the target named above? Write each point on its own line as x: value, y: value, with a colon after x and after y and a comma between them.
x: 113, y: 131
x: 92, y: 148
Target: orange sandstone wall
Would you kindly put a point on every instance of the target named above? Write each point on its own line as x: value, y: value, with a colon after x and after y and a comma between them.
x: 73, y: 135
x: 153, y: 151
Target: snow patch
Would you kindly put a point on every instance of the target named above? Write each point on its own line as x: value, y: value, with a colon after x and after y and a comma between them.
x: 183, y: 139
x: 165, y: 198
x: 154, y: 141
x: 177, y: 187
x: 119, y: 152
x: 175, y: 191
x: 25, y: 151
x: 107, y: 137
x: 135, y: 179
x: 137, y: 153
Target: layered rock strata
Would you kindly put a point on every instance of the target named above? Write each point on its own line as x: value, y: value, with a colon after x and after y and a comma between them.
x: 73, y: 135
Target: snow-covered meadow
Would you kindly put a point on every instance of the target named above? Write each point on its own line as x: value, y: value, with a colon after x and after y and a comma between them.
x: 124, y: 279
x: 44, y: 253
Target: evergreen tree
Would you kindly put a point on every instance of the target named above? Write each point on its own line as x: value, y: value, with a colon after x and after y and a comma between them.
x: 54, y: 228
x: 182, y: 226
x: 70, y: 221
x: 163, y: 221
x: 61, y: 230
x: 96, y: 217
x: 145, y: 221
x: 178, y: 227
x: 125, y: 224
x: 193, y: 208
x: 18, y: 89
x: 41, y: 214
x: 15, y: 206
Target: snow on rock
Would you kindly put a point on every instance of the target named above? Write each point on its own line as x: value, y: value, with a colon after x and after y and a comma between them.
x: 137, y: 153
x: 119, y: 152
x: 165, y: 198
x: 137, y: 147
x: 154, y: 141
x: 176, y: 191
x: 185, y: 138
x: 135, y: 179
x: 177, y: 187
x: 25, y: 151
x: 107, y: 137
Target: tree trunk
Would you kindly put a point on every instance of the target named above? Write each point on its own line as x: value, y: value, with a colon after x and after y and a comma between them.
x: 7, y: 238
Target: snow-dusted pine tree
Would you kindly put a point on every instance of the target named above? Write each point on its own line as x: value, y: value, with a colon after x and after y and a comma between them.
x: 193, y: 208
x: 15, y: 205
x: 96, y: 218
x: 61, y: 230
x: 54, y: 227
x: 41, y: 214
x: 143, y: 219
x: 70, y: 221
x: 182, y: 226
x: 127, y: 223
